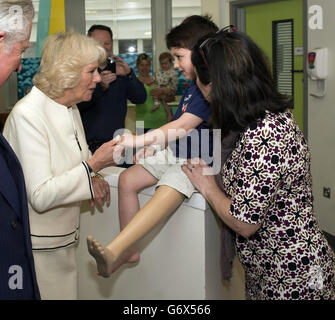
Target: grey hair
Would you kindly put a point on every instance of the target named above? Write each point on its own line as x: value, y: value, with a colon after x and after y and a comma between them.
x: 15, y: 16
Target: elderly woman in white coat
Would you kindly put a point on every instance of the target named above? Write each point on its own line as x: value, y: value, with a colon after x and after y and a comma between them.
x: 46, y: 133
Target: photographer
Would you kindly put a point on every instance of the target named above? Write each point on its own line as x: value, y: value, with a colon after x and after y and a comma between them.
x: 107, y: 110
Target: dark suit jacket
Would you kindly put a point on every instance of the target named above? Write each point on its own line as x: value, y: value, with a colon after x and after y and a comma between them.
x: 17, y: 271
x: 107, y: 110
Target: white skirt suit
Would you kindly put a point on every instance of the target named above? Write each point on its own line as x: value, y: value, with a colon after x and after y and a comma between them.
x: 49, y: 140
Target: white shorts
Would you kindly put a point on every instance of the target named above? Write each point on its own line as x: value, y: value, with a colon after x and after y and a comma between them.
x: 165, y: 167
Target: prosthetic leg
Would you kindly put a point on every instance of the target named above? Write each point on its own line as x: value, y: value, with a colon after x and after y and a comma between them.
x: 164, y: 202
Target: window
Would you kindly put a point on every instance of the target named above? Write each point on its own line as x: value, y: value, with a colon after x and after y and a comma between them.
x: 283, y: 46
x: 131, y: 25
x: 130, y: 22
x: 127, y: 46
x: 29, y: 61
x: 147, y: 46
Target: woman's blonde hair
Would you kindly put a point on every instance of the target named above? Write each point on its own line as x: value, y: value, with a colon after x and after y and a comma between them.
x: 64, y: 55
x: 141, y: 57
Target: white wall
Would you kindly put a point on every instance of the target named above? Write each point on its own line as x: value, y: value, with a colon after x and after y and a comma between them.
x: 321, y: 118
x: 218, y: 9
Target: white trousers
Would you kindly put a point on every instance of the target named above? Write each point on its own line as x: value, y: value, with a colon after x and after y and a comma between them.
x: 56, y: 273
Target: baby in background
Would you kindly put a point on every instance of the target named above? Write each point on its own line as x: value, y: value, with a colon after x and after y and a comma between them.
x: 167, y: 80
x: 166, y: 76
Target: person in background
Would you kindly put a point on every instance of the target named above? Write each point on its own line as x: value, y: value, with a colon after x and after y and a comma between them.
x: 46, y: 133
x: 105, y: 113
x: 17, y: 270
x: 267, y: 183
x: 152, y: 114
x: 166, y: 78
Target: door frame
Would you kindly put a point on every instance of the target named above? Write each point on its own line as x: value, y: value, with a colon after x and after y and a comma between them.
x: 237, y: 18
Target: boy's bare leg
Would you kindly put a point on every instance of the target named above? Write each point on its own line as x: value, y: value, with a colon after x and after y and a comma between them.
x: 164, y: 202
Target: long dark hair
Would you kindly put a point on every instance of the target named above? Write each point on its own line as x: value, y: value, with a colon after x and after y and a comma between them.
x: 242, y: 84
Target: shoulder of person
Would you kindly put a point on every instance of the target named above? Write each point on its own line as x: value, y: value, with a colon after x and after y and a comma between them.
x: 33, y: 100
x: 277, y: 126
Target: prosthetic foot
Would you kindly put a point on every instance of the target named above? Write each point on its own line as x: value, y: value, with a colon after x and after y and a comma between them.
x: 103, y: 257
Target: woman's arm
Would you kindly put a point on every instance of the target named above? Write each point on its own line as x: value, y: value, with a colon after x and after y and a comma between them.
x: 219, y: 202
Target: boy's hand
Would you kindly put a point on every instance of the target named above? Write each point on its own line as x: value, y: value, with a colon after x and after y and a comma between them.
x: 128, y: 140
x: 118, y: 153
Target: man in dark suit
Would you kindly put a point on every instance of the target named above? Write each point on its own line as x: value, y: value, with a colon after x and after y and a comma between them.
x: 17, y: 271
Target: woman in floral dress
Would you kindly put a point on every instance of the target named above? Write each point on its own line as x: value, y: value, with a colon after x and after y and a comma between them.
x: 267, y: 185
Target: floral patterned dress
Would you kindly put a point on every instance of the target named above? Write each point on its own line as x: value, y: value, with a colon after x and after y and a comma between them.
x: 268, y: 178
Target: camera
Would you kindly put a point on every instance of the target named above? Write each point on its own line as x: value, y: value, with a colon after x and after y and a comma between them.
x: 111, y: 65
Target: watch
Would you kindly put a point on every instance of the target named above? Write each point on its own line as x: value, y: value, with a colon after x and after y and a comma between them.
x: 92, y: 173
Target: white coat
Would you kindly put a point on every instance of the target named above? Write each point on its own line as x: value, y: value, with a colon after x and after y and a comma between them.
x: 42, y: 134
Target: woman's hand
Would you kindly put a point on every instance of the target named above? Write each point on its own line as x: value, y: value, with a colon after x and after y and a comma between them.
x: 200, y: 175
x: 144, y: 153
x: 101, y: 192
x: 109, y: 154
